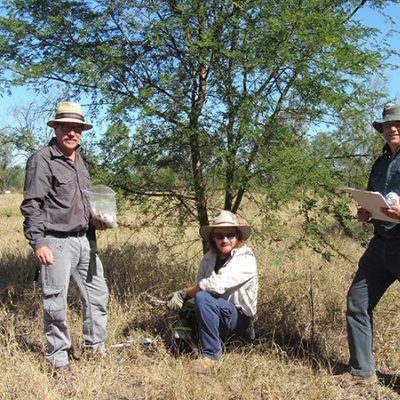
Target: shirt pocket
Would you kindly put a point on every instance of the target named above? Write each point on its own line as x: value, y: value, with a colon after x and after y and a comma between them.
x: 63, y: 184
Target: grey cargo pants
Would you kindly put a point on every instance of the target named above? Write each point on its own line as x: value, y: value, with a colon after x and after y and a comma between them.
x: 71, y: 261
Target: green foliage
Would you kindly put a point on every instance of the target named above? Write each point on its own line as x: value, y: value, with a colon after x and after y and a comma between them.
x: 11, y: 176
x: 29, y: 131
x: 221, y: 94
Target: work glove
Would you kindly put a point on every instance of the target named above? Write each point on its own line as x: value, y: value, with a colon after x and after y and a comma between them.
x: 176, y: 300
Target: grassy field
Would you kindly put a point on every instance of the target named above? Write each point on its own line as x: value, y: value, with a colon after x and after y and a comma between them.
x: 301, y: 336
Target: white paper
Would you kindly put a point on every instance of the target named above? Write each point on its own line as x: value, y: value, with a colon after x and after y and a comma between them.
x: 372, y: 202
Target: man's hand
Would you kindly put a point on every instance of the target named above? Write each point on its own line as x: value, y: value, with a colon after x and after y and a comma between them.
x: 363, y: 215
x: 392, y: 212
x: 176, y: 300
x: 99, y: 224
x: 44, y: 255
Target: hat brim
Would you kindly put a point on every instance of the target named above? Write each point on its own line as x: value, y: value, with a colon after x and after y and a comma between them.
x: 245, y: 230
x: 54, y: 122
x: 378, y: 125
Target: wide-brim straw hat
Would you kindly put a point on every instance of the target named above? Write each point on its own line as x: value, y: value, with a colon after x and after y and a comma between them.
x: 70, y: 112
x: 390, y: 113
x: 225, y: 219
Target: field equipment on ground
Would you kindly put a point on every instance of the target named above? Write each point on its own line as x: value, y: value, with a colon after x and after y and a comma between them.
x: 182, y: 338
x: 132, y: 342
x: 156, y: 302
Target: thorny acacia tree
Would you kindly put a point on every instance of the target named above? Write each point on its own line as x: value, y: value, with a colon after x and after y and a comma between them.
x: 214, y: 88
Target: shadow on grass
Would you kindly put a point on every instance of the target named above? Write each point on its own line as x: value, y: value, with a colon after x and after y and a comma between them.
x: 17, y: 276
x: 313, y: 352
x: 132, y: 273
x: 27, y: 343
x: 390, y: 380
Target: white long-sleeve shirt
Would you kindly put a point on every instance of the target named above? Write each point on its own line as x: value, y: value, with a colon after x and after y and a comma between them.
x: 236, y: 281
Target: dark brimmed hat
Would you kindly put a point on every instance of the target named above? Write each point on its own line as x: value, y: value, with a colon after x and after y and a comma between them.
x: 390, y: 113
x: 225, y: 219
x: 69, y: 112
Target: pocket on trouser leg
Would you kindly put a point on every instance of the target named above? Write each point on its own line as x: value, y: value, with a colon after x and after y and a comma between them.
x: 54, y: 307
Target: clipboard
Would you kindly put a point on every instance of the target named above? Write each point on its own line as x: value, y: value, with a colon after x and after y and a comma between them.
x: 372, y: 201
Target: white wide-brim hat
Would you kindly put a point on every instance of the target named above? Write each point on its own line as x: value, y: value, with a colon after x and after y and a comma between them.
x: 225, y: 219
x: 70, y: 112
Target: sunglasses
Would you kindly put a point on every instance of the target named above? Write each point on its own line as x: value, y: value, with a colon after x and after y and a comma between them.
x: 223, y: 235
x: 68, y: 129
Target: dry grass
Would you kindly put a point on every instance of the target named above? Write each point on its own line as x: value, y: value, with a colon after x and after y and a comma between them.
x: 301, y: 335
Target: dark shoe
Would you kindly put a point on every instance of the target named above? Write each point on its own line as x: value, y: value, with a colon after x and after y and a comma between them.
x: 347, y: 380
x: 73, y: 355
x: 63, y: 373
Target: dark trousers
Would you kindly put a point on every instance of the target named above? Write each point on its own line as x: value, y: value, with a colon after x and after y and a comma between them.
x: 378, y: 268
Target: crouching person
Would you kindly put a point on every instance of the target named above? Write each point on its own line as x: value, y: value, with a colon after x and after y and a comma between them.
x: 226, y: 287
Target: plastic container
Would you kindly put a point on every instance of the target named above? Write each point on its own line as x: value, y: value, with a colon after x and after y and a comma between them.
x: 392, y: 199
x: 103, y: 205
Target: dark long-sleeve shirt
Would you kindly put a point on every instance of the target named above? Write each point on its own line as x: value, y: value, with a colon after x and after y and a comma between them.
x: 385, y: 178
x: 56, y: 197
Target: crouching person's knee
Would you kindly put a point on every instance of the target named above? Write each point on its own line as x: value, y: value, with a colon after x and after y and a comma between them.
x: 202, y: 299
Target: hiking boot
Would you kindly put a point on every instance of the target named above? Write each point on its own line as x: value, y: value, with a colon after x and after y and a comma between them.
x: 72, y: 354
x: 63, y: 373
x: 347, y: 380
x: 203, y: 365
x: 95, y: 352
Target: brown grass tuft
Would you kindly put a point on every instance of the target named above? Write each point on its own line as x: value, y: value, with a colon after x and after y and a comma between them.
x: 301, y: 335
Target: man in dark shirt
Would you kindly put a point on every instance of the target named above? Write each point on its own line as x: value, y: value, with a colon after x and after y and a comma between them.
x: 57, y: 220
x: 379, y: 266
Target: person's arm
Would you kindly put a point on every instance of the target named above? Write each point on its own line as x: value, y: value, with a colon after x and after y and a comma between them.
x: 363, y: 215
x: 37, y: 184
x: 240, y: 268
x: 191, y: 291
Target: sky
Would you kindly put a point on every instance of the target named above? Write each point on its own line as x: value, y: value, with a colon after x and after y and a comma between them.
x: 374, y: 19
x: 22, y: 96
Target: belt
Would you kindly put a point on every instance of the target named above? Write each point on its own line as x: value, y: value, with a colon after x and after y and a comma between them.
x: 388, y: 237
x: 66, y: 234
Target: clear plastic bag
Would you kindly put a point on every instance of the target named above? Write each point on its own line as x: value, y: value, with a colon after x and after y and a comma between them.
x: 103, y: 205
